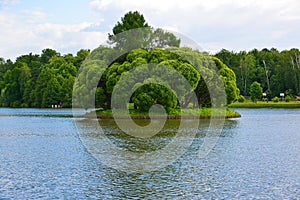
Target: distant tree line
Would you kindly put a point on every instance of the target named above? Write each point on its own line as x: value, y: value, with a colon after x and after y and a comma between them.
x: 276, y: 71
x: 39, y: 80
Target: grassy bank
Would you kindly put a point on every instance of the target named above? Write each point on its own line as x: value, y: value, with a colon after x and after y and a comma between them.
x: 203, y: 113
x: 270, y: 104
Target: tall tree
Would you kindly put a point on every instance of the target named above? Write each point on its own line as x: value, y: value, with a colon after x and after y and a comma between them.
x: 131, y: 20
x: 133, y: 32
x: 255, y: 91
x: 247, y: 65
x: 163, y: 39
x: 129, y: 40
x: 47, y: 54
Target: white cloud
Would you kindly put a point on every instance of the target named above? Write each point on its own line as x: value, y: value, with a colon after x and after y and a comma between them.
x: 35, y: 15
x: 233, y: 24
x: 102, y: 4
x: 5, y: 3
x: 28, y: 33
x: 215, y: 24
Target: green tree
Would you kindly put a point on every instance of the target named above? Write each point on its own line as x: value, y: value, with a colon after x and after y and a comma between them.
x: 41, y: 85
x: 80, y: 57
x: 51, y: 95
x: 131, y: 20
x: 33, y: 62
x: 163, y: 39
x: 130, y: 40
x: 86, y: 83
x: 229, y: 80
x: 151, y: 83
x: 149, y: 94
x: 47, y: 54
x: 66, y: 91
x: 14, y: 84
x: 247, y: 67
x: 136, y: 33
x: 255, y: 91
x: 100, y: 98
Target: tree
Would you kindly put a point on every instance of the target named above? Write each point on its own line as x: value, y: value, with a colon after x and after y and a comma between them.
x: 33, y: 62
x: 247, y: 67
x: 275, y: 71
x: 129, y: 40
x: 163, y: 39
x: 80, y: 57
x: 51, y: 95
x: 87, y: 81
x: 47, y: 54
x: 133, y: 32
x: 229, y: 80
x: 145, y: 77
x: 131, y: 20
x: 66, y: 91
x: 41, y: 85
x: 255, y: 91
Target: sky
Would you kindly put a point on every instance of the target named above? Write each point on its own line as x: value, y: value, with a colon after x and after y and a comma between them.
x: 67, y: 26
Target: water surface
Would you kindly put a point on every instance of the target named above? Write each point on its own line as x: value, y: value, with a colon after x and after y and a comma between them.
x: 257, y: 156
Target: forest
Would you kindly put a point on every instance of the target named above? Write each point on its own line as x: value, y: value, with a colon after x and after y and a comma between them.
x: 276, y: 71
x: 39, y: 80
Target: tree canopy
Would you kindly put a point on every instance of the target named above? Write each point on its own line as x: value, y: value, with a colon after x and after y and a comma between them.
x: 39, y: 80
x: 133, y: 32
x: 151, y: 76
x: 277, y: 72
x: 255, y: 91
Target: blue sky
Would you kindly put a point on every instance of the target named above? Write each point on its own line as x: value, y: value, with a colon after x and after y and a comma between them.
x: 68, y: 26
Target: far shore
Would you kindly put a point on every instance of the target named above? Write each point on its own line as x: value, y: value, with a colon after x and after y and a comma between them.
x: 264, y: 104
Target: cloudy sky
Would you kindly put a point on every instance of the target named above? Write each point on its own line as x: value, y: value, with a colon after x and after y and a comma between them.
x: 68, y: 26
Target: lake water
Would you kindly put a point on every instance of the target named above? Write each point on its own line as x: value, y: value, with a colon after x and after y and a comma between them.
x: 256, y: 157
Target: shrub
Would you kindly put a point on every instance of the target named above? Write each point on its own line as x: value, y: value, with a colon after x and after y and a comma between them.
x: 288, y: 99
x: 241, y: 99
x: 289, y: 92
x: 190, y: 105
x: 24, y: 105
x: 15, y: 104
x: 255, y: 91
x: 275, y: 99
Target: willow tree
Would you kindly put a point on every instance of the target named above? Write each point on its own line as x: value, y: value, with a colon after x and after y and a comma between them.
x: 154, y: 76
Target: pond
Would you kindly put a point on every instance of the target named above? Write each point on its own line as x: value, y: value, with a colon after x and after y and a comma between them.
x: 256, y: 156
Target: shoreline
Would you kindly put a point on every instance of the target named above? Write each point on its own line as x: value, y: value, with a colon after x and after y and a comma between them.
x: 187, y: 114
x: 287, y: 105
x: 160, y: 117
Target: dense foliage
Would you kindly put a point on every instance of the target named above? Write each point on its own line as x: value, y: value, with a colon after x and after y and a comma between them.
x: 277, y: 72
x: 255, y: 91
x: 133, y: 32
x: 147, y: 84
x: 39, y: 80
x: 48, y: 79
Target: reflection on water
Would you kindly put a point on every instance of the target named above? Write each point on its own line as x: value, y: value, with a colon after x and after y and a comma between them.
x: 257, y: 156
x: 158, y: 141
